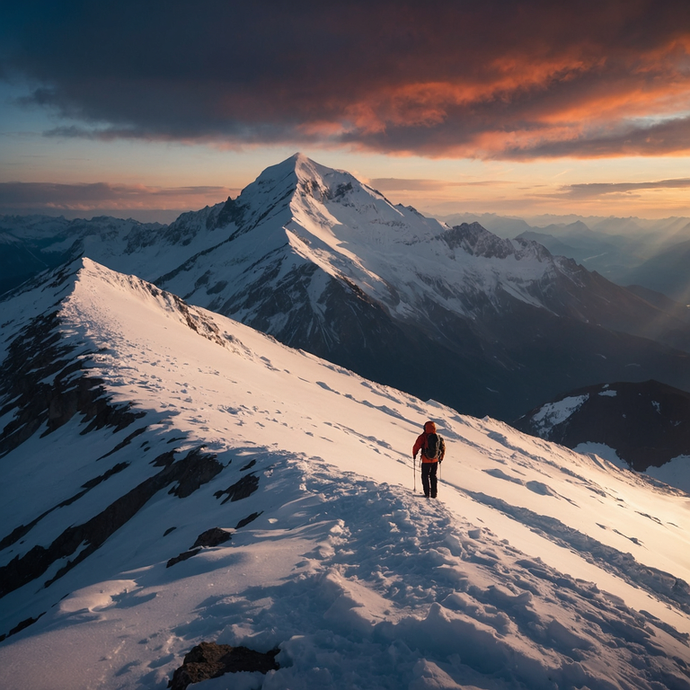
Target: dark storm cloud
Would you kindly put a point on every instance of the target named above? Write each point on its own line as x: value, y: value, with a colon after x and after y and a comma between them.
x: 461, y: 78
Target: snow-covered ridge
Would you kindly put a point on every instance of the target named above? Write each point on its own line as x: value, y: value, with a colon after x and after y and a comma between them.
x: 538, y: 567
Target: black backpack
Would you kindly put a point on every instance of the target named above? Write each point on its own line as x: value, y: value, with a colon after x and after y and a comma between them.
x: 434, y: 447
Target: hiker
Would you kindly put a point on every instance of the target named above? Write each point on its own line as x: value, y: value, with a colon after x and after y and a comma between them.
x: 433, y: 449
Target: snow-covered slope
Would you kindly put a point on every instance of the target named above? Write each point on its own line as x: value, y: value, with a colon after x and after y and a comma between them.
x: 134, y: 423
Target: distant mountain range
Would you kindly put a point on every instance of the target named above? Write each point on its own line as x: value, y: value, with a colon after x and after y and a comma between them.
x: 324, y: 263
x: 628, y: 251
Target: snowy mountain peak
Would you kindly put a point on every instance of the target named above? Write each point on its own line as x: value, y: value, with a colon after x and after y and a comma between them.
x: 300, y: 181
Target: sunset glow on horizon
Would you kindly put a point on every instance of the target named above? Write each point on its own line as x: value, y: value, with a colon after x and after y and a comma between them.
x: 516, y: 108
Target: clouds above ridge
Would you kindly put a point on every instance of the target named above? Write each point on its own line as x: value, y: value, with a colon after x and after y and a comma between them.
x: 491, y: 79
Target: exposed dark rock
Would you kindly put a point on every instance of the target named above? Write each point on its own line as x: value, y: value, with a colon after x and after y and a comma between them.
x: 211, y: 660
x: 38, y: 355
x: 185, y: 555
x: 125, y: 442
x: 248, y: 466
x: 195, y: 469
x: 241, y: 489
x: 21, y: 626
x: 165, y: 459
x: 245, y: 521
x: 168, y: 531
x: 212, y: 537
x: 198, y: 468
x: 106, y: 475
x: 18, y: 532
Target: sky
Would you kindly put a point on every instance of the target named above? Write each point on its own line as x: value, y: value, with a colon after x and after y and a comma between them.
x: 516, y: 108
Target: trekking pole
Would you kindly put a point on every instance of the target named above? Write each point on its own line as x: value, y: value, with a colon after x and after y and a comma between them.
x: 414, y: 473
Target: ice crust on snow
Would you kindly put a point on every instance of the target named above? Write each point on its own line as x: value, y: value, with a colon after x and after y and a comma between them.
x: 538, y: 567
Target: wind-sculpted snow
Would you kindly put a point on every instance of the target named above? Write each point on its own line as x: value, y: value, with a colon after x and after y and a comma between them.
x: 262, y: 497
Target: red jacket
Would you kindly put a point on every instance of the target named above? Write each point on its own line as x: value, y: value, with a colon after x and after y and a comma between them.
x: 429, y: 428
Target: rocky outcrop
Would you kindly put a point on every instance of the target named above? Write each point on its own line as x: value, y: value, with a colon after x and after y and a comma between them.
x: 211, y: 537
x: 211, y: 660
x: 80, y: 541
x: 22, y: 625
x: 245, y: 521
x: 243, y: 488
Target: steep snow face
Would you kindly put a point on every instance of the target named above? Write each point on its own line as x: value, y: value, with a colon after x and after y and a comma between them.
x: 300, y: 214
x: 392, y: 253
x: 156, y: 422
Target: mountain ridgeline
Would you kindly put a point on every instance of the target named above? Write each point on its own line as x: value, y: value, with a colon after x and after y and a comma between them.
x: 324, y: 263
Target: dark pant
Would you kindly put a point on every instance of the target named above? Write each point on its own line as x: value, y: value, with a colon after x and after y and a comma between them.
x: 429, y: 481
